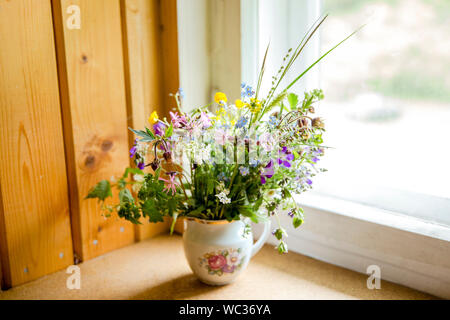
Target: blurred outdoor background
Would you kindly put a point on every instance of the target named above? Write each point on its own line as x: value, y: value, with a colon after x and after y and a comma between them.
x: 387, y: 95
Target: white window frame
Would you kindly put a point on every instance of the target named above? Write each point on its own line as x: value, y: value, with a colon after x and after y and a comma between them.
x: 409, y: 250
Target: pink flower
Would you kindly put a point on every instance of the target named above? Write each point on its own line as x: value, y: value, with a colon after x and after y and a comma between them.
x: 171, y: 184
x: 217, y: 262
x: 178, y: 121
x: 205, y: 120
x: 221, y: 136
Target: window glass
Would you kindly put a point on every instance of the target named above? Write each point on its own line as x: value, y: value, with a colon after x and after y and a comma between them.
x: 387, y: 100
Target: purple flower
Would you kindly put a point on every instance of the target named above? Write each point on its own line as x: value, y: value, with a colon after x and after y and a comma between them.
x: 315, y: 159
x: 291, y: 213
x: 141, y: 165
x: 308, y: 181
x: 159, y: 128
x: 267, y: 172
x: 285, y: 156
x: 133, y: 150
x: 228, y: 269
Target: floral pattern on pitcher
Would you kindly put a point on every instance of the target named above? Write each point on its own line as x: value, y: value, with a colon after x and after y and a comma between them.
x: 222, y: 261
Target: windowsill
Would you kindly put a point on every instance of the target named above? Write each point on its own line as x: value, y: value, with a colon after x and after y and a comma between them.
x: 409, y: 251
x: 157, y: 269
x: 374, y: 215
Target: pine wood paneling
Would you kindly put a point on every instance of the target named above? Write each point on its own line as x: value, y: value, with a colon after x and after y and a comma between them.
x: 35, y: 237
x: 169, y: 51
x: 151, y: 68
x: 92, y: 84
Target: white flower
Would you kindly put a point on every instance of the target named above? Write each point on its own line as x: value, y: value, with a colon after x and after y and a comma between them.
x: 267, y: 141
x: 138, y: 178
x: 142, y: 149
x: 223, y: 197
x: 202, y: 154
x: 273, y: 193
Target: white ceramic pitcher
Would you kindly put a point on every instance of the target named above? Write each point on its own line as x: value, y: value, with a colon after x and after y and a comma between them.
x: 218, y: 251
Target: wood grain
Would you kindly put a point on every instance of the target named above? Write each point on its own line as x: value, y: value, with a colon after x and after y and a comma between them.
x: 93, y: 98
x: 169, y: 50
x: 35, y: 237
x: 146, y: 31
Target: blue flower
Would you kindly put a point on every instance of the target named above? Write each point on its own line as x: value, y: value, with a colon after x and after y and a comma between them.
x: 181, y: 93
x: 273, y: 121
x: 222, y: 177
x: 244, y: 171
x: 253, y: 163
x: 247, y: 91
x: 242, y: 122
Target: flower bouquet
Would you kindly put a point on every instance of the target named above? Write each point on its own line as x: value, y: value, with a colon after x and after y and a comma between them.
x: 229, y: 161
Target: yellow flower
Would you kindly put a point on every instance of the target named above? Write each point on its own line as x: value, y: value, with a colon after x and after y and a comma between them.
x: 153, y: 117
x: 221, y: 112
x: 239, y: 104
x: 220, y: 98
x: 255, y: 105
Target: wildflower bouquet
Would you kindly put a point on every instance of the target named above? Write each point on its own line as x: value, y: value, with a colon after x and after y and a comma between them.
x: 227, y: 160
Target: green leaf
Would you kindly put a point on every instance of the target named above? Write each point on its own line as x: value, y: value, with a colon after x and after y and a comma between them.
x: 197, y: 212
x: 125, y: 196
x: 258, y: 204
x: 157, y: 173
x: 282, y: 247
x: 297, y: 222
x: 293, y: 100
x: 172, y: 204
x: 101, y: 191
x: 145, y: 137
x: 279, y: 234
x: 150, y: 133
x: 132, y: 171
x: 323, y: 56
x: 169, y: 131
x: 149, y: 210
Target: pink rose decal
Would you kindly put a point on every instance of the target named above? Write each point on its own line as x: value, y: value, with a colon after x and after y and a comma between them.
x: 220, y: 262
x: 217, y: 262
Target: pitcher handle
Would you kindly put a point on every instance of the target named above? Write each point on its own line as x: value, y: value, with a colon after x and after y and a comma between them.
x: 262, y: 239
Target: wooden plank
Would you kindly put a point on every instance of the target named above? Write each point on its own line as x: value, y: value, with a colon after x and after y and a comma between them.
x: 145, y: 67
x: 226, y: 47
x: 91, y: 70
x: 169, y: 50
x: 35, y: 237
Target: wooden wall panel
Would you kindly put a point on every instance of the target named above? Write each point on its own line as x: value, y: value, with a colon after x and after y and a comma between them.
x: 169, y: 50
x: 151, y: 68
x: 35, y: 237
x: 91, y: 69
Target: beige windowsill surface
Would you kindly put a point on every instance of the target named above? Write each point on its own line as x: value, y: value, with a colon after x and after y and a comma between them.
x: 157, y: 269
